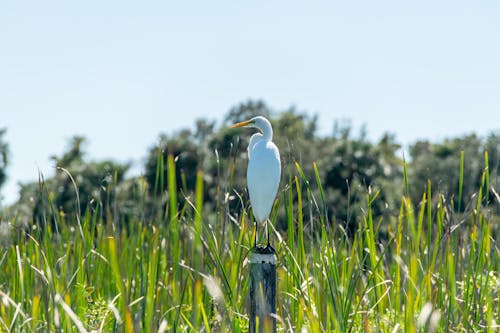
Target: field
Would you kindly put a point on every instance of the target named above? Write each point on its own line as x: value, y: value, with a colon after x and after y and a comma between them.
x: 432, y: 267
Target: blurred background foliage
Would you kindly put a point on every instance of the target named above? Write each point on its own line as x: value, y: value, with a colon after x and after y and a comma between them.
x: 4, y: 157
x: 350, y: 166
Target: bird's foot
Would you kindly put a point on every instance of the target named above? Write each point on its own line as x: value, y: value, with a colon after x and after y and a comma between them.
x: 268, y: 249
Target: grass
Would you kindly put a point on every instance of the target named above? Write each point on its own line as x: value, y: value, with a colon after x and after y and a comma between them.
x: 437, y: 269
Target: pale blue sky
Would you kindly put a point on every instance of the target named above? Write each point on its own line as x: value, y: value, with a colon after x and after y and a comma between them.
x: 121, y: 72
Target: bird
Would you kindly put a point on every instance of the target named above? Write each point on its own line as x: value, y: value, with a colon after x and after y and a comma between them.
x: 263, y: 172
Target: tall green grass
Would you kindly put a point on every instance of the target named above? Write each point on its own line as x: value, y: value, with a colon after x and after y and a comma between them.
x: 435, y: 270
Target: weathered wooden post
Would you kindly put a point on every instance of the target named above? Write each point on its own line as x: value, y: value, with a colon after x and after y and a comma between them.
x: 262, y: 290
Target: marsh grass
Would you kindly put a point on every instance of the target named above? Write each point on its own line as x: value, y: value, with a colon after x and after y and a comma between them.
x: 436, y: 270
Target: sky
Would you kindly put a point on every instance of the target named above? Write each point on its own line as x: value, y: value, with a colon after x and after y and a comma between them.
x: 122, y: 72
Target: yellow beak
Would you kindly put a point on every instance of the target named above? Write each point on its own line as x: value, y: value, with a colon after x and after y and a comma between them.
x: 242, y: 124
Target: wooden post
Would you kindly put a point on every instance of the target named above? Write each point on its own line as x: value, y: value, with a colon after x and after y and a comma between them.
x: 262, y: 290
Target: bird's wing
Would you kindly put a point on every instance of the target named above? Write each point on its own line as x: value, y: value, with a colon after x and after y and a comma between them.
x: 263, y: 177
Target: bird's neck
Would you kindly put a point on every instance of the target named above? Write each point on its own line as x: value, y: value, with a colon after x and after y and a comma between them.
x: 267, y: 133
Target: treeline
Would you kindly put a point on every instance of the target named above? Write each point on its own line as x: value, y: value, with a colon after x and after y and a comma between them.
x: 349, y: 166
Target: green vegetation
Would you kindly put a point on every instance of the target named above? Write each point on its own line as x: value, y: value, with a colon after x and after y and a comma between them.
x: 365, y: 241
x: 4, y: 158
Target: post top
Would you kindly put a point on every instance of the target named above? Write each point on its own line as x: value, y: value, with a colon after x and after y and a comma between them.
x: 264, y: 258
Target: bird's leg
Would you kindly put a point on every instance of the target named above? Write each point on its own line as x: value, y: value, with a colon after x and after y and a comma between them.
x: 267, y: 233
x: 255, y: 238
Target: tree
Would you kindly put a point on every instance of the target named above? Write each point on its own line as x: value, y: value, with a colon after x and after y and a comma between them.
x: 245, y: 111
x: 55, y: 197
x: 349, y: 167
x: 355, y: 166
x: 4, y: 157
x: 439, y: 163
x: 187, y: 156
x: 295, y: 135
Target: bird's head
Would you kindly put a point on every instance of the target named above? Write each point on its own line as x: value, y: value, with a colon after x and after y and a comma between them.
x: 258, y: 122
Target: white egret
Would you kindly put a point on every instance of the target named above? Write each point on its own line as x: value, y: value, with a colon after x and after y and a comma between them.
x: 264, y: 170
